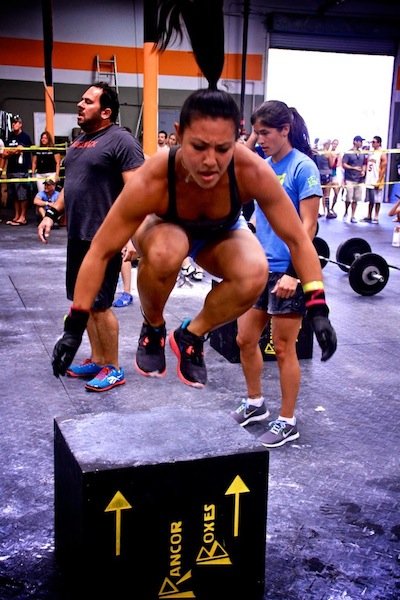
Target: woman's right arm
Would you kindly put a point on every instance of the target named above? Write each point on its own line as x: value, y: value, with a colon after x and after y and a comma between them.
x: 143, y: 194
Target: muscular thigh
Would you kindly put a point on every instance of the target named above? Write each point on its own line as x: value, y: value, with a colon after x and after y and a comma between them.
x: 155, y: 236
x: 236, y: 254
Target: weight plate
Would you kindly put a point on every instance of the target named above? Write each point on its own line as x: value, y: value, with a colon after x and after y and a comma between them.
x: 322, y: 249
x: 348, y: 251
x: 369, y: 274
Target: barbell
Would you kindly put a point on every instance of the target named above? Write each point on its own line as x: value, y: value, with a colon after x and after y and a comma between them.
x: 368, y: 272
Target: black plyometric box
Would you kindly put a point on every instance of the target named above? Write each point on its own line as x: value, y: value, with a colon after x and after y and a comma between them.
x: 223, y: 340
x: 160, y: 504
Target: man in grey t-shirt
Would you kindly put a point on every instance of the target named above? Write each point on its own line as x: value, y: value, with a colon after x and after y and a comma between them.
x: 354, y: 162
x: 97, y: 165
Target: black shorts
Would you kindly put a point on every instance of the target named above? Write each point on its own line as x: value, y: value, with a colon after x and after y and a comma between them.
x: 76, y: 252
x: 281, y: 306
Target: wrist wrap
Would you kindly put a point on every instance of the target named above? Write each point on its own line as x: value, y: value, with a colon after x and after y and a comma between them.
x: 53, y: 213
x: 76, y: 321
x: 316, y: 304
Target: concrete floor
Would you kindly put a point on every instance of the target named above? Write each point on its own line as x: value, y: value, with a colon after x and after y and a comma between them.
x: 333, y: 522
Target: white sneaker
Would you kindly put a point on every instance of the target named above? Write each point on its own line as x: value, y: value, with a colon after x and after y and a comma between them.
x: 197, y: 275
x: 188, y: 271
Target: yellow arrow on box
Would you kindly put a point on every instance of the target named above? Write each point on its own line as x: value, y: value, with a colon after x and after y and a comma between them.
x: 236, y: 488
x: 118, y: 504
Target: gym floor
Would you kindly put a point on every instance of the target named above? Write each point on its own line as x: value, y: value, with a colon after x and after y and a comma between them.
x: 333, y: 522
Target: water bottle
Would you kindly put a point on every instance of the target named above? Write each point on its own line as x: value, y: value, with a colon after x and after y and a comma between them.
x: 396, y: 237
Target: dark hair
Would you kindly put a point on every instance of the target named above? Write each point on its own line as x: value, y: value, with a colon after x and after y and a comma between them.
x: 276, y: 114
x: 108, y: 99
x: 378, y: 139
x: 164, y: 132
x: 199, y: 16
x: 210, y: 103
x: 49, y: 137
x: 204, y: 22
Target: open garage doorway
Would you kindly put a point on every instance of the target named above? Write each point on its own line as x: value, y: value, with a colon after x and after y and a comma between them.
x: 339, y: 95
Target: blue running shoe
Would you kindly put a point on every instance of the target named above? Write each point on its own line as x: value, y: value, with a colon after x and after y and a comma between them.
x: 87, y: 368
x: 125, y: 299
x: 108, y: 378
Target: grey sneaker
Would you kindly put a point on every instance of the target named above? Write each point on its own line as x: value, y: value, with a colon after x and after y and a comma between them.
x: 279, y: 432
x: 247, y: 413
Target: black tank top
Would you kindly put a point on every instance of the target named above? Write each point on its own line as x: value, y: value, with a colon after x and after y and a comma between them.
x: 206, y: 228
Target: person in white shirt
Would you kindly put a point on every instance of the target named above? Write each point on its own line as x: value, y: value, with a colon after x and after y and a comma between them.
x: 162, y: 141
x: 374, y: 179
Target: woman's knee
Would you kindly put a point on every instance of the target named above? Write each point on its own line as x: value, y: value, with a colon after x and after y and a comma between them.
x: 246, y: 340
x: 164, y: 247
x: 285, y: 348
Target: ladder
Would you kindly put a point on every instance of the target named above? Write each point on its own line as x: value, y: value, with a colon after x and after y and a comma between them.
x: 107, y: 71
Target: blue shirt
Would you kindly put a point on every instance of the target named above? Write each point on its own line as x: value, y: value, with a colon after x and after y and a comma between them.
x: 43, y: 196
x: 300, y: 178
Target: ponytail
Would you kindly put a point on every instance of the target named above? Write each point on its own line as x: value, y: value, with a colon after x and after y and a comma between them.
x: 204, y: 22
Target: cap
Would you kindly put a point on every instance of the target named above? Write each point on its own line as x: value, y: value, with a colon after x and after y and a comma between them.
x: 16, y: 119
x: 49, y: 182
x: 358, y: 138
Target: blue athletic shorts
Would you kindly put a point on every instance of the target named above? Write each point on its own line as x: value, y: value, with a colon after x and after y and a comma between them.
x: 198, y: 245
x: 281, y: 306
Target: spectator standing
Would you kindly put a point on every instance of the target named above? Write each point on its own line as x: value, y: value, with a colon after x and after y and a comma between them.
x: 335, y: 159
x: 46, y: 163
x: 128, y: 253
x: 324, y: 163
x: 284, y: 138
x: 172, y: 140
x: 162, y: 141
x: 188, y: 202
x: 354, y: 173
x: 19, y: 164
x: 315, y: 146
x: 125, y: 297
x: 375, y: 179
x: 97, y: 165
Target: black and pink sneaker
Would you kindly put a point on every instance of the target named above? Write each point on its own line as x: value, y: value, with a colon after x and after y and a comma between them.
x: 150, y: 355
x: 188, y: 348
